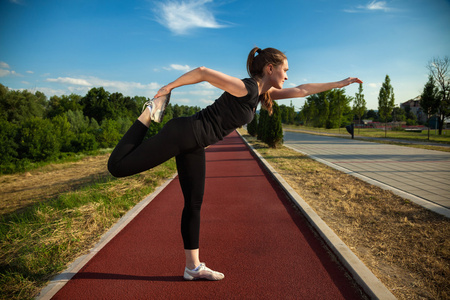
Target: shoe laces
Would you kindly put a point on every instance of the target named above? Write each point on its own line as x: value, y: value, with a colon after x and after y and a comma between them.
x: 148, y: 103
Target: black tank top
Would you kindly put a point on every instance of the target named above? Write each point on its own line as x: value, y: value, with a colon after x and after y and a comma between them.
x: 226, y: 114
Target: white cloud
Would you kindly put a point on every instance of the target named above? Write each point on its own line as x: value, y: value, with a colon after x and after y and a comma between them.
x: 4, y: 65
x: 377, y: 5
x: 94, y: 81
x: 373, y: 85
x: 51, y: 92
x: 206, y: 85
x: 176, y: 67
x: 210, y: 93
x: 68, y: 80
x: 183, y: 100
x: 206, y: 101
x: 4, y: 72
x: 84, y: 84
x: 373, y: 5
x: 182, y: 16
x: 29, y: 72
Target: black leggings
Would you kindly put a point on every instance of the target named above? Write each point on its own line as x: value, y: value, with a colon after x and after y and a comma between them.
x: 133, y: 155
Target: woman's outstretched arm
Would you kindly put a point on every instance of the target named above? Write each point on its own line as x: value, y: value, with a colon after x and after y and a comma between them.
x: 230, y: 84
x: 310, y: 88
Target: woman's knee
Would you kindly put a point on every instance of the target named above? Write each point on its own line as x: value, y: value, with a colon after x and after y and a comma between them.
x: 114, y: 169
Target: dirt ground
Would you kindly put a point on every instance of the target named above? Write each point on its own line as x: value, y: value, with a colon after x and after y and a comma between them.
x: 21, y: 190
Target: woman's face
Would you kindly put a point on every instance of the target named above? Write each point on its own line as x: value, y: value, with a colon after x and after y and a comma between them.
x: 278, y: 75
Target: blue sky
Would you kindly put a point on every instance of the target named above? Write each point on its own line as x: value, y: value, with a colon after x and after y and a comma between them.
x: 135, y: 47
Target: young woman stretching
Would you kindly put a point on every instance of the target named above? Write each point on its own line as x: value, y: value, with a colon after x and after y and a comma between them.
x: 185, y: 138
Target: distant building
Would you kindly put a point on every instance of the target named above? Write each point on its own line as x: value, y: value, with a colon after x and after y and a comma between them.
x: 414, y: 106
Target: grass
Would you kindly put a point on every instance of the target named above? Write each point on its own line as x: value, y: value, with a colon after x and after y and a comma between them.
x: 26, y: 165
x: 39, y: 241
x: 406, y: 246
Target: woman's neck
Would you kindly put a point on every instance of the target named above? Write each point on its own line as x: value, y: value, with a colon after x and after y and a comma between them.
x: 263, y: 85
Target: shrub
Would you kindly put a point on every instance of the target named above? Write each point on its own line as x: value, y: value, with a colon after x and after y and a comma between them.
x: 109, y: 134
x: 38, y: 140
x: 260, y: 130
x: 63, y: 130
x: 8, y: 145
x: 252, y: 126
x: 274, y: 130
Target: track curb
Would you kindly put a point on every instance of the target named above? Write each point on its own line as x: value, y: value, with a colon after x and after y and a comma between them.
x: 61, y: 279
x: 374, y: 288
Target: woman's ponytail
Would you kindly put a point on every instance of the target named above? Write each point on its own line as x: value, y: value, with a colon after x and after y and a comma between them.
x: 259, y: 58
x: 250, y: 59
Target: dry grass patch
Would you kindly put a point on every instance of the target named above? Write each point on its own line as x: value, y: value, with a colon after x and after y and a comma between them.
x: 71, y: 208
x: 406, y: 246
x: 24, y: 189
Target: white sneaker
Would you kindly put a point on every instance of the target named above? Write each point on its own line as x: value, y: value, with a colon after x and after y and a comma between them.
x: 203, y: 272
x: 157, y: 106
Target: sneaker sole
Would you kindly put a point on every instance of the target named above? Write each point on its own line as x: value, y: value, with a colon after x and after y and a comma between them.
x: 163, y: 109
x: 202, y: 275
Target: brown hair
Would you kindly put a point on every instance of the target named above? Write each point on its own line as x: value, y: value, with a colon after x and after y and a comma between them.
x: 256, y: 65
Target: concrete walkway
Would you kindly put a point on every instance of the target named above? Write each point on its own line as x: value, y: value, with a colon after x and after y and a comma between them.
x: 420, y: 175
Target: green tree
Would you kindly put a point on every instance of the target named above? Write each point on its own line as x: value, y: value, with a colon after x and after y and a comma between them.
x: 8, y: 145
x: 308, y: 112
x: 64, y: 133
x: 321, y: 108
x: 372, y: 115
x: 439, y: 70
x: 429, y: 100
x: 339, y: 108
x: 168, y: 113
x: 284, y: 113
x: 18, y: 106
x: 287, y: 114
x: 261, y: 129
x: 38, y: 140
x: 386, y: 101
x: 359, y: 106
x: 273, y: 129
x: 85, y: 141
x: 109, y: 134
x: 60, y: 105
x: 96, y: 104
x: 252, y: 126
x: 122, y: 106
x: 86, y: 131
x: 78, y: 121
x: 411, y: 118
x: 398, y: 114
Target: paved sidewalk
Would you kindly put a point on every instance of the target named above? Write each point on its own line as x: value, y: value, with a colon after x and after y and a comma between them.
x: 418, y: 174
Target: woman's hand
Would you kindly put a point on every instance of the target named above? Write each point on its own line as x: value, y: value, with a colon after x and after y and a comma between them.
x: 348, y: 81
x: 162, y: 91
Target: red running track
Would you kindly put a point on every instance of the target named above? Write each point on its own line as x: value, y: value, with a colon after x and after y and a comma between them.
x: 249, y: 231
